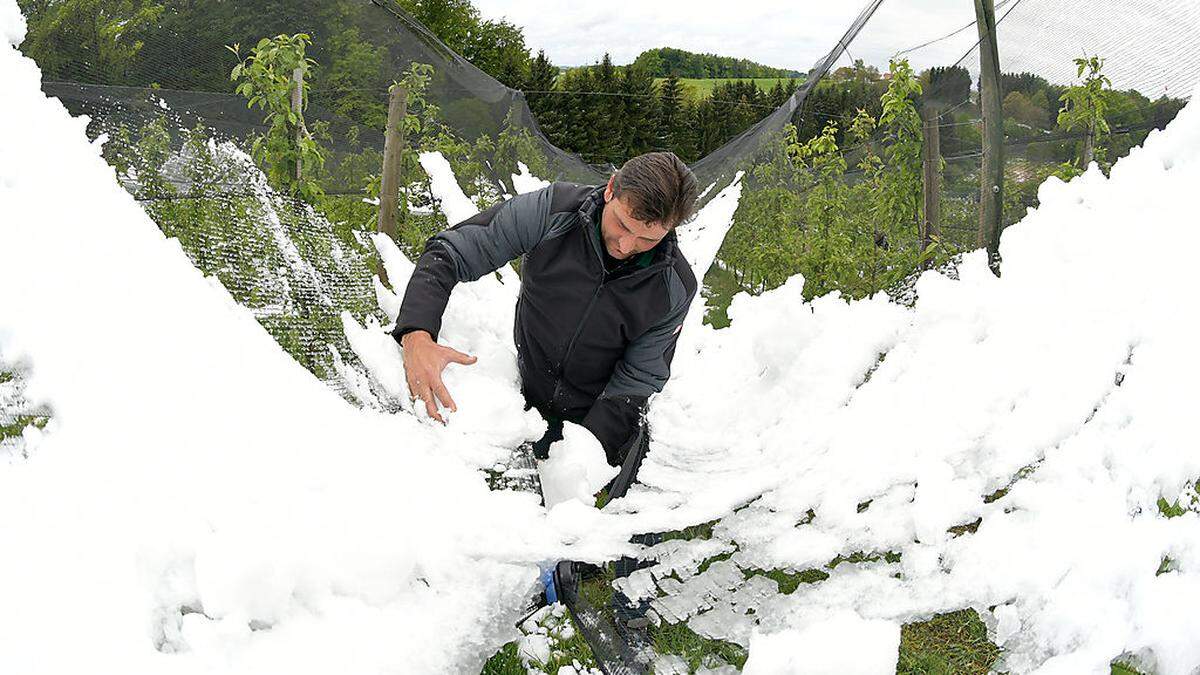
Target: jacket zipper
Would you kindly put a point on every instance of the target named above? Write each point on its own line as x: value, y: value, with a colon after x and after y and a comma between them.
x: 562, y: 366
x: 586, y: 313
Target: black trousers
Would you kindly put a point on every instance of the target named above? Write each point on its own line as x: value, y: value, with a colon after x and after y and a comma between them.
x: 630, y: 455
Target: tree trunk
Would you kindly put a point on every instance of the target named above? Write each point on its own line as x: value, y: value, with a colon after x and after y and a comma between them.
x: 1089, y: 145
x: 932, y: 156
x: 298, y: 108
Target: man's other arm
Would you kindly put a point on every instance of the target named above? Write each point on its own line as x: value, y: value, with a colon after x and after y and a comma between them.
x: 477, y: 246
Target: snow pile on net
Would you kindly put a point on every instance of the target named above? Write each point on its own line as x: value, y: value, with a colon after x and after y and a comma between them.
x: 198, y: 501
x: 1001, y: 446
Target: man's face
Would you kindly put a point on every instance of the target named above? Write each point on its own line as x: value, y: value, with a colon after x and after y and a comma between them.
x: 624, y: 235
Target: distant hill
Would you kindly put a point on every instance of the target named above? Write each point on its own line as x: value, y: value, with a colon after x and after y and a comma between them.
x: 667, y: 61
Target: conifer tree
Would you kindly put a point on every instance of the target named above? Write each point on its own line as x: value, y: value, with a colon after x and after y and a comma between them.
x: 545, y: 108
x: 641, y: 112
x: 707, y: 124
x: 572, y: 110
x: 671, y: 118
x: 607, y: 111
x: 778, y: 94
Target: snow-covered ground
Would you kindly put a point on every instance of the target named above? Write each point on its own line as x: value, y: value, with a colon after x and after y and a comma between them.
x: 201, y: 503
x: 1074, y: 371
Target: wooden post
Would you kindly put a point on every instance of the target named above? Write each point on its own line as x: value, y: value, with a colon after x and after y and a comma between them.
x: 298, y: 108
x: 991, y: 174
x: 393, y: 152
x: 932, y: 156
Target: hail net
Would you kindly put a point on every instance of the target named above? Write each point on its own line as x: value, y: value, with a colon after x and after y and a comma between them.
x: 181, y: 140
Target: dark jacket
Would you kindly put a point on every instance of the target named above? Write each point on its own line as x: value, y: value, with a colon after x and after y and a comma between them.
x: 592, y: 343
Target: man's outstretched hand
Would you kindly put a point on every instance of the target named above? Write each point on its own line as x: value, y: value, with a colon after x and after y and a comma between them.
x: 424, y: 361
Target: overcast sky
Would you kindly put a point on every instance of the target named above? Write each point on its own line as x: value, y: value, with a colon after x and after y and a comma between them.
x: 784, y: 34
x: 1150, y: 44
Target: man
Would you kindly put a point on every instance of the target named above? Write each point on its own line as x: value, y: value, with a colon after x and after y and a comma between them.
x: 604, y: 291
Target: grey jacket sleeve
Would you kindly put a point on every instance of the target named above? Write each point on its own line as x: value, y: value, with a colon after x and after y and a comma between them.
x: 642, y: 371
x: 477, y: 246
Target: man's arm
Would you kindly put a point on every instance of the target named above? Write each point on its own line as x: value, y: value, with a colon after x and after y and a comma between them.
x: 643, y: 370
x: 477, y: 246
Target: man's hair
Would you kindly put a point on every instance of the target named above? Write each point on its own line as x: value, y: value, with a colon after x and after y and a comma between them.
x: 658, y: 187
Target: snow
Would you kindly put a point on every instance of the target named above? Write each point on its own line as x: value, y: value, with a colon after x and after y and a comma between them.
x: 534, y: 648
x: 700, y: 238
x: 542, y: 633
x: 455, y: 204
x: 1068, y: 380
x: 576, y: 468
x: 821, y: 649
x: 525, y: 181
x: 12, y: 24
x: 200, y: 503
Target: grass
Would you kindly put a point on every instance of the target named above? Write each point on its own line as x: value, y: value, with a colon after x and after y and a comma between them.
x: 598, y: 590
x: 13, y: 426
x: 948, y: 644
x: 861, y: 557
x: 790, y: 581
x: 696, y: 650
x: 504, y: 662
x: 703, y: 87
x: 507, y: 661
x: 966, y: 528
x: 1022, y: 473
x: 951, y: 643
x: 17, y: 425
x: 566, y: 652
x: 720, y: 557
x: 1177, y: 508
x: 701, y: 531
x: 1173, y: 510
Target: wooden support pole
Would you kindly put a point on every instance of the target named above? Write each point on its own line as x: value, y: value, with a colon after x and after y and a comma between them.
x: 393, y: 152
x: 298, y: 108
x: 932, y: 163
x: 991, y: 174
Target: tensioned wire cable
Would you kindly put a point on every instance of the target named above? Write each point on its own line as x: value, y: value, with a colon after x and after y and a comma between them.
x: 217, y: 98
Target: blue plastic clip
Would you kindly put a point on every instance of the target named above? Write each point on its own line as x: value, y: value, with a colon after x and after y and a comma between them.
x: 548, y: 585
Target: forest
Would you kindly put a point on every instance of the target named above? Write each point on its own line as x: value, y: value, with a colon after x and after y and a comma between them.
x: 667, y: 62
